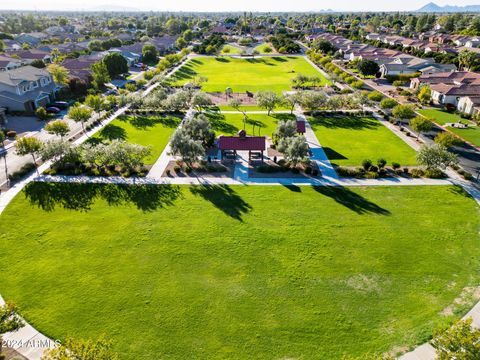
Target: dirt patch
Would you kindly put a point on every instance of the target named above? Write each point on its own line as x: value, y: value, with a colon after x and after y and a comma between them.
x: 221, y: 99
x: 467, y: 297
x: 364, y: 283
x: 215, y: 169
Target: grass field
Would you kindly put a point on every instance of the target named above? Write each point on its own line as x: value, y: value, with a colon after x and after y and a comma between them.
x: 441, y: 117
x: 230, y: 50
x: 348, y: 141
x: 261, y: 48
x: 257, y: 124
x: 239, y: 272
x: 471, y: 134
x: 153, y: 131
x: 268, y: 73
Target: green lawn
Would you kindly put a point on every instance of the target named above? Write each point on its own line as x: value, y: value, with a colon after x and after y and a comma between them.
x: 261, y: 48
x: 441, y: 117
x: 348, y: 141
x: 257, y: 124
x: 267, y: 73
x: 264, y: 272
x: 153, y: 131
x: 230, y: 50
x: 471, y: 134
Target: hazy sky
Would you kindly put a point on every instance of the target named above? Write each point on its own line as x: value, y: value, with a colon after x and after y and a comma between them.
x: 229, y: 5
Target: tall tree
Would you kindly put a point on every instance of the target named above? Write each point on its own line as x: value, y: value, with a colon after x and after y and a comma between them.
x: 9, y: 321
x: 29, y: 145
x: 80, y: 114
x: 59, y: 73
x: 421, y: 125
x: 460, y: 342
x: 100, y: 74
x: 116, y: 64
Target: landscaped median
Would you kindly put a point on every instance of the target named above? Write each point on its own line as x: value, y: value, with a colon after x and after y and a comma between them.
x: 203, y: 271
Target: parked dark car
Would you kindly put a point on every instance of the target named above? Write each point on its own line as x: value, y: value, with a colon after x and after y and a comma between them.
x: 110, y: 92
x: 53, y: 109
x: 60, y: 104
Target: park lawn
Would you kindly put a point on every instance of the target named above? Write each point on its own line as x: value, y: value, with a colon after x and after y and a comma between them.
x: 230, y: 50
x: 153, y: 131
x: 253, y: 74
x: 471, y: 134
x: 265, y: 272
x: 349, y: 140
x: 261, y: 48
x: 441, y: 117
x: 257, y: 124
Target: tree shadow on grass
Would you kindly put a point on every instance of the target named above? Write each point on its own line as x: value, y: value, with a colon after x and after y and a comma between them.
x: 345, y: 122
x: 224, y: 198
x: 333, y: 155
x: 113, y: 132
x: 145, y: 122
x: 81, y: 197
x: 293, y: 188
x: 185, y: 72
x: 283, y: 116
x: 279, y: 59
x: 458, y: 190
x: 222, y: 59
x: 351, y: 200
x: 219, y: 123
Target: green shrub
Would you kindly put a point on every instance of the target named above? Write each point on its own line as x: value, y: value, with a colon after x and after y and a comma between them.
x: 372, y: 175
x: 398, y: 83
x: 366, y: 164
x: 418, y: 173
x: 376, y: 96
x: 435, y: 174
x: 357, y: 84
x: 388, y: 103
x: 381, y: 163
x: 465, y: 174
x: 22, y: 172
x: 395, y: 165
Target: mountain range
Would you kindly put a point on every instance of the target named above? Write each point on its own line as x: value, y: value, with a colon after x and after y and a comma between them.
x: 434, y: 8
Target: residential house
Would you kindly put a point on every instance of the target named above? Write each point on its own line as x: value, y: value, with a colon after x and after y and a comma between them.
x: 469, y: 105
x: 32, y: 39
x: 451, y: 88
x: 131, y: 57
x: 406, y: 64
x: 28, y: 56
x: 26, y: 88
x: 79, y: 68
x: 9, y: 63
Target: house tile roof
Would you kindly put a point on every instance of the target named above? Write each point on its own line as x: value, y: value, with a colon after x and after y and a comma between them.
x: 21, y: 74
